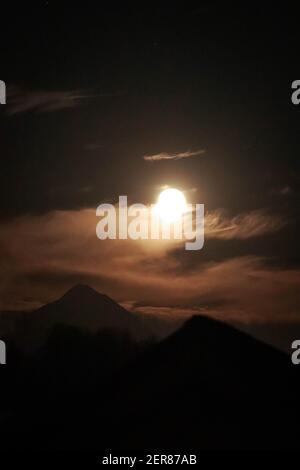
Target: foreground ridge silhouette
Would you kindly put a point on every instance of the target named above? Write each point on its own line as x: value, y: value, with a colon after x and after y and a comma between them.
x: 207, y: 385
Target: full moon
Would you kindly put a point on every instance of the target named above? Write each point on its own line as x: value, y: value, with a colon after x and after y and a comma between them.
x: 171, y: 205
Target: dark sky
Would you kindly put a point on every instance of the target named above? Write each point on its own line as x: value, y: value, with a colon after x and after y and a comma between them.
x: 92, y: 90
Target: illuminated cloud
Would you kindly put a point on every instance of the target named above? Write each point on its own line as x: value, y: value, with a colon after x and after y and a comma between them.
x: 172, y: 156
x: 42, y: 256
x: 42, y: 101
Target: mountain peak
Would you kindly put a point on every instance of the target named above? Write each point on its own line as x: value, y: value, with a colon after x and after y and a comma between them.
x: 204, y: 330
x: 81, y: 289
x: 202, y: 324
x: 84, y: 307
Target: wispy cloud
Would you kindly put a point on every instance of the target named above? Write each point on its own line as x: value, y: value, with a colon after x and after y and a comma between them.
x: 93, y: 147
x: 172, y: 156
x: 43, y: 101
x: 242, y: 226
x: 282, y: 191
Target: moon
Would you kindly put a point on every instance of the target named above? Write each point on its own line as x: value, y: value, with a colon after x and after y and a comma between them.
x: 171, y: 205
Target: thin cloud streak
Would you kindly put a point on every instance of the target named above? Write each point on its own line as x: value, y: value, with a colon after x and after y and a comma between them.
x: 172, y: 156
x: 44, y: 101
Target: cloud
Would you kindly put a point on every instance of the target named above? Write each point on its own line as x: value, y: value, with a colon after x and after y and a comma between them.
x: 172, y: 156
x: 167, y: 312
x: 42, y: 101
x: 285, y: 191
x: 242, y: 226
x: 92, y: 147
x: 44, y: 255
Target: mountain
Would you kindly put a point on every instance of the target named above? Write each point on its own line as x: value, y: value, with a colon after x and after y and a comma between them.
x: 206, y: 386
x: 209, y: 385
x: 85, y: 308
x: 221, y: 354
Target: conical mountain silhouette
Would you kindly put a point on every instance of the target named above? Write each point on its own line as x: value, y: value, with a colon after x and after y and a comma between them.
x: 209, y: 385
x: 85, y: 308
x: 218, y: 353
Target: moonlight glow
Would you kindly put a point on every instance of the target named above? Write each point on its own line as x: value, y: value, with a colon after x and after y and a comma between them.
x: 171, y: 205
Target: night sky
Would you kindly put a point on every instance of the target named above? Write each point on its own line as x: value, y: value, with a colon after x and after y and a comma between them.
x: 93, y: 90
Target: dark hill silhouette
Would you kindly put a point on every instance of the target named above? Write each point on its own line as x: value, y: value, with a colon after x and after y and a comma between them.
x: 209, y: 386
x: 220, y: 352
x: 206, y: 386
